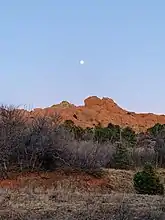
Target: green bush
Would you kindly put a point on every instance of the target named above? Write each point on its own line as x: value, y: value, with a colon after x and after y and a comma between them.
x: 121, y: 157
x: 110, y: 133
x: 156, y: 129
x: 77, y: 131
x: 147, y: 182
x: 129, y: 135
x: 69, y: 124
x: 101, y: 134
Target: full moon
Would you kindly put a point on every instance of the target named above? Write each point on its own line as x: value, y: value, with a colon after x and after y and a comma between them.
x: 81, y: 62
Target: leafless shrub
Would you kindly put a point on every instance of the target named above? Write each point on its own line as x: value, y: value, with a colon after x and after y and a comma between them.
x: 27, y: 146
x: 141, y: 155
x: 43, y: 142
x: 12, y: 126
x: 88, y: 155
x: 160, y: 152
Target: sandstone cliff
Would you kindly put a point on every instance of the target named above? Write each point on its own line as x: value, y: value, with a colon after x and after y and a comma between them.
x: 104, y: 111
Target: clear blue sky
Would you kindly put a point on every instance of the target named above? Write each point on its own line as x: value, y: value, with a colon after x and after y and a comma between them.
x: 121, y: 41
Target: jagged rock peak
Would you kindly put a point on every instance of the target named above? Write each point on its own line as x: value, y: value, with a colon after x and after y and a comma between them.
x: 94, y: 100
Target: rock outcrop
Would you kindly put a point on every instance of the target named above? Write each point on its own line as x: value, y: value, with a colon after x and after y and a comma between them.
x: 103, y: 111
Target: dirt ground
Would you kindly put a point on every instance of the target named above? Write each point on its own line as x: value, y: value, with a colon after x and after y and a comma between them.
x: 111, y: 180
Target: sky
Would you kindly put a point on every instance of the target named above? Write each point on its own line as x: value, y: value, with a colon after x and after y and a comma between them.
x: 122, y: 43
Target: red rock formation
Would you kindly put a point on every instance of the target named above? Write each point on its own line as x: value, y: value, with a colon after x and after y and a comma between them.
x: 104, y: 111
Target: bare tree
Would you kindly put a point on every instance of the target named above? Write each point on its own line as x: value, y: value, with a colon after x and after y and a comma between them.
x: 12, y: 124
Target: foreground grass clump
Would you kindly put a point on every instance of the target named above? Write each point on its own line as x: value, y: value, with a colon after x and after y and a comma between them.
x: 67, y: 202
x: 97, y: 173
x: 147, y: 182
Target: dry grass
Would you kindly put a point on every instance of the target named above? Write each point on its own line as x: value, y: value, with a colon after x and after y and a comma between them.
x: 64, y: 202
x: 72, y: 196
x: 99, y: 181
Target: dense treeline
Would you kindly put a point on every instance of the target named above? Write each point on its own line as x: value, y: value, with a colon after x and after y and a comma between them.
x: 44, y: 143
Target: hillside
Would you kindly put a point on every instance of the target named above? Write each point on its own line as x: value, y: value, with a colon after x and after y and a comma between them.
x: 104, y: 111
x: 60, y: 195
x: 60, y: 172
